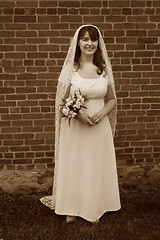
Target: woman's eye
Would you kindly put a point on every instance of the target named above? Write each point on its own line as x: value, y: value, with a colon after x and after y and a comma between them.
x: 85, y: 39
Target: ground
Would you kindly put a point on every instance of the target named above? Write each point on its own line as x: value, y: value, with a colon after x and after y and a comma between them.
x: 23, y: 216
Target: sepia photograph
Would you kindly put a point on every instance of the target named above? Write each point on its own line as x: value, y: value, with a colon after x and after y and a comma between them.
x: 79, y: 119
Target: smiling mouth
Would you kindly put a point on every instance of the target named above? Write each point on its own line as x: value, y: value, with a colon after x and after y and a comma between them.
x: 89, y: 48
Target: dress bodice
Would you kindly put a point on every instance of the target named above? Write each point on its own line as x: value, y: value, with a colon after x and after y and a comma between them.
x: 91, y: 88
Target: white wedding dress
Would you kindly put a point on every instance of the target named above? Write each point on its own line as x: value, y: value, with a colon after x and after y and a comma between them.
x: 87, y: 184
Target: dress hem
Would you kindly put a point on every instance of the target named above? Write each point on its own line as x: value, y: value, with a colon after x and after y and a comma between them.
x: 90, y: 220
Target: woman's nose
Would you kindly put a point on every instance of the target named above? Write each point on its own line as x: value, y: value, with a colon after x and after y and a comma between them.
x: 90, y: 42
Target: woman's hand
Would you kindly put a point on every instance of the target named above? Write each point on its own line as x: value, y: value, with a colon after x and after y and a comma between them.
x: 97, y: 117
x: 84, y: 118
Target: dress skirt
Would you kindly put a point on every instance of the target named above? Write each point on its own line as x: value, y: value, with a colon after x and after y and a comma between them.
x: 87, y: 184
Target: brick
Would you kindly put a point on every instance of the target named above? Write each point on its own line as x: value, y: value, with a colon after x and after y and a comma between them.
x: 59, y: 26
x: 147, y: 40
x: 40, y: 62
x: 137, y: 3
x: 28, y: 103
x: 37, y: 96
x: 94, y: 11
x: 22, y: 161
x: 34, y: 141
x: 25, y: 76
x: 11, y: 116
x: 32, y: 129
x: 71, y: 19
x: 37, y: 69
x: 124, y: 54
x: 48, y: 19
x: 16, y: 69
x: 43, y: 160
x: 6, y: 136
x: 5, y: 90
x: 19, y: 11
x: 12, y: 142
x: 36, y: 55
x: 15, y: 55
x: 4, y: 110
x: 154, y: 19
x: 24, y: 136
x: 8, y: 4
x: 4, y: 19
x: 27, y: 4
x: 43, y: 122
x: 153, y: 47
x: 28, y: 62
x: 40, y: 148
x: 26, y: 19
x: 136, y: 33
x: 19, y: 155
x: 154, y: 93
x: 5, y: 161
x: 149, y: 11
x: 135, y: 47
x: 150, y: 87
x: 26, y: 34
x: 35, y: 83
x: 36, y: 26
x: 127, y: 11
x: 145, y: 25
x: 26, y: 48
x: 41, y: 11
x: 14, y: 41
x: 60, y: 40
x: 121, y: 68
x: 154, y: 33
x: 16, y: 97
x: 90, y: 4
x: 62, y: 11
x: 119, y: 4
x: 123, y: 25
x: 115, y: 19
x: 142, y: 68
x: 114, y: 33
x: 47, y: 4
x: 144, y: 53
x: 134, y: 138
x: 8, y: 34
x: 48, y: 33
x: 37, y: 40
x: 85, y: 11
x: 15, y: 26
x: 138, y: 11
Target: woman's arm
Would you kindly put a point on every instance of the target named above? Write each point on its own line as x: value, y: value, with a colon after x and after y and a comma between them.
x: 66, y: 95
x: 110, y: 103
x: 109, y: 100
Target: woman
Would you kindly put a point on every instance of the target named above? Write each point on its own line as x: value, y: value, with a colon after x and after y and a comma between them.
x: 85, y: 176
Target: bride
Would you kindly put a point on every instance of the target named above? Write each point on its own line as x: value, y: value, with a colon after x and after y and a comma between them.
x: 85, y: 175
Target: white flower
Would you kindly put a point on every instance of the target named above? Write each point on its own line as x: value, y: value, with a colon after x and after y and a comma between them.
x: 65, y: 111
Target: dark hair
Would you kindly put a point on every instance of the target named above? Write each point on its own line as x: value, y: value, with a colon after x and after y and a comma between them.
x: 97, y: 58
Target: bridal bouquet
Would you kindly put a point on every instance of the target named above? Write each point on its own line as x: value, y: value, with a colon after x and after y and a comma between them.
x: 72, y: 105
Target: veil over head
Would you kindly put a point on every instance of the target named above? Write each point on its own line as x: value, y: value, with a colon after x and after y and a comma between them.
x: 63, y: 83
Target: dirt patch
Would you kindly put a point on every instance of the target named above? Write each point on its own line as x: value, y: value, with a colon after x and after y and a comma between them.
x: 29, y: 182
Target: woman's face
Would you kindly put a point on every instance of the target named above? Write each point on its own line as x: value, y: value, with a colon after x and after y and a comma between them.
x: 87, y: 46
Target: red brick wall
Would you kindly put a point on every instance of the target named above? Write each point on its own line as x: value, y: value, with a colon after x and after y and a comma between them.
x: 34, y: 38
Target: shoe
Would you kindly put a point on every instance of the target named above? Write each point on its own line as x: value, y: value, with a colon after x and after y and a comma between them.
x: 70, y: 219
x: 95, y: 222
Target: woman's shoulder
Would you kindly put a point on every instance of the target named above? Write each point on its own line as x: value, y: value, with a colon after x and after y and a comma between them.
x: 105, y: 77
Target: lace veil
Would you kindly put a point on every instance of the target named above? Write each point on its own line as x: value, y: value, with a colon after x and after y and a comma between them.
x: 63, y: 84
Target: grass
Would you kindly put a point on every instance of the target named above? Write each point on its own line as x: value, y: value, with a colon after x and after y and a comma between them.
x: 23, y: 217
